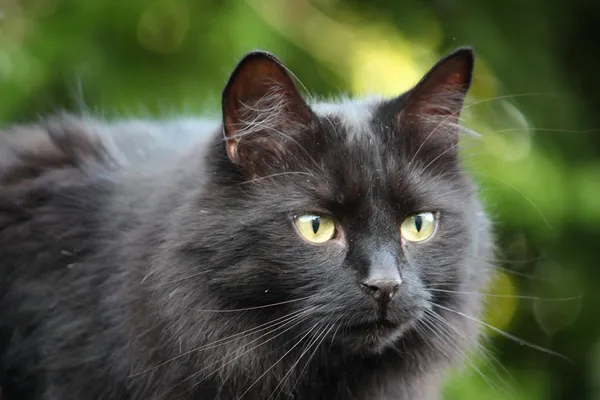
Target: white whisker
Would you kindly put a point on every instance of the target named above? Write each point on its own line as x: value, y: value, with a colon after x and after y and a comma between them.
x: 276, y: 175
x: 510, y: 296
x: 445, y: 336
x: 276, y: 323
x: 297, y: 322
x: 257, y: 307
x: 507, y: 335
x: 309, y: 358
x: 323, y: 332
x: 278, y: 361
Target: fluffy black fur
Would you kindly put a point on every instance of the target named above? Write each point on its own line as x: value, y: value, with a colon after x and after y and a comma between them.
x: 145, y: 260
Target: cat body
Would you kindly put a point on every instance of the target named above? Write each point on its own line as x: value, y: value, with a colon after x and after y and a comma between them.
x: 168, y: 260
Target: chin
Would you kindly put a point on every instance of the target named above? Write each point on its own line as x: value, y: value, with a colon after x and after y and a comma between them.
x: 375, y: 337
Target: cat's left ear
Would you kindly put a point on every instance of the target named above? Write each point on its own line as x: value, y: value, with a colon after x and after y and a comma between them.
x: 437, y: 100
x: 263, y: 113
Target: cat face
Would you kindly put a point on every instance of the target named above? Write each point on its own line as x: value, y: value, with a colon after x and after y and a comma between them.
x: 348, y: 214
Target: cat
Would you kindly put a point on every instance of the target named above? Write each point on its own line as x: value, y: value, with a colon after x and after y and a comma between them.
x: 292, y: 250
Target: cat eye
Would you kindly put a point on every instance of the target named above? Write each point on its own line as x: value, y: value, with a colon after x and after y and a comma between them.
x: 315, y: 228
x: 418, y: 227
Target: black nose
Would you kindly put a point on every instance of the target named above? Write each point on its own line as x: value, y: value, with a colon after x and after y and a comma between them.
x: 381, y: 290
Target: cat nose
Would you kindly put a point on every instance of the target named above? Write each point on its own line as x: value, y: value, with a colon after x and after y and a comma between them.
x: 382, y: 290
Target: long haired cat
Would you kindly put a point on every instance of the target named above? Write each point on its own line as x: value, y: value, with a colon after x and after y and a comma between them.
x: 290, y: 251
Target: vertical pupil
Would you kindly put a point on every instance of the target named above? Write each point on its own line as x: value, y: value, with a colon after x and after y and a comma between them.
x: 418, y: 222
x: 316, y: 222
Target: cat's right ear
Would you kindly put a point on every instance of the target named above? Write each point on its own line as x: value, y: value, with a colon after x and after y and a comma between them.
x: 262, y: 112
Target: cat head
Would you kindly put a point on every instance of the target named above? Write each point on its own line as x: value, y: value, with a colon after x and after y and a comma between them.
x: 352, y: 214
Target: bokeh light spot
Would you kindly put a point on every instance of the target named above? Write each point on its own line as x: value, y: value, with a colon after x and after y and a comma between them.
x: 163, y: 27
x: 501, y: 304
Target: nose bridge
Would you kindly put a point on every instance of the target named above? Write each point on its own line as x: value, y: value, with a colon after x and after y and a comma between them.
x: 383, y: 266
x: 375, y: 248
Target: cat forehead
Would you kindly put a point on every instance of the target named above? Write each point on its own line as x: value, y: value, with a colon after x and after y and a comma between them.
x: 354, y: 115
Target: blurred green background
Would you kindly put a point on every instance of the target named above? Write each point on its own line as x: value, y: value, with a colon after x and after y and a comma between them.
x: 534, y: 101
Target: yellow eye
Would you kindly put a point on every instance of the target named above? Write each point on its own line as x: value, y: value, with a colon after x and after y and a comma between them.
x: 315, y: 228
x: 418, y: 227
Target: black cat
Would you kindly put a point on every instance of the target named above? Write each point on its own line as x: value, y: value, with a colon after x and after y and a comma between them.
x: 303, y: 251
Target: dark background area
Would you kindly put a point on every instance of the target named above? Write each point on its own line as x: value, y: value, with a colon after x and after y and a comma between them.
x: 535, y: 102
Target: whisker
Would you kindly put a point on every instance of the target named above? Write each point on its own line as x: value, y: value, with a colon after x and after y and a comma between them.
x: 268, y: 325
x: 426, y: 332
x: 258, y: 307
x: 558, y: 299
x: 275, y: 175
x: 444, y: 330
x: 518, y: 191
x: 277, y: 362
x: 505, y: 261
x: 471, y: 172
x: 482, y: 351
x: 456, y: 115
x: 312, y: 341
x: 548, y: 130
x: 507, y: 335
x: 179, y: 280
x: 335, y: 333
x: 444, y: 336
x: 297, y: 322
x: 496, y: 261
x: 272, y: 328
x: 448, y: 193
x: 440, y: 155
x: 509, y: 96
x: 311, y: 356
x: 414, y: 157
x: 523, y: 274
x: 288, y: 137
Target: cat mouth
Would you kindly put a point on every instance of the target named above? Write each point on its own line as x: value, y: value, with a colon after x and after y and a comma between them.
x: 379, y: 328
x: 373, y: 336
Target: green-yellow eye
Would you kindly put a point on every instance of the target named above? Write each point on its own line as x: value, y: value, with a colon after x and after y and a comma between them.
x: 315, y: 228
x: 418, y: 227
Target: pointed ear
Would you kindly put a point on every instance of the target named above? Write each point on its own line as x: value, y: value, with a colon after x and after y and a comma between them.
x: 262, y: 110
x: 438, y: 98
